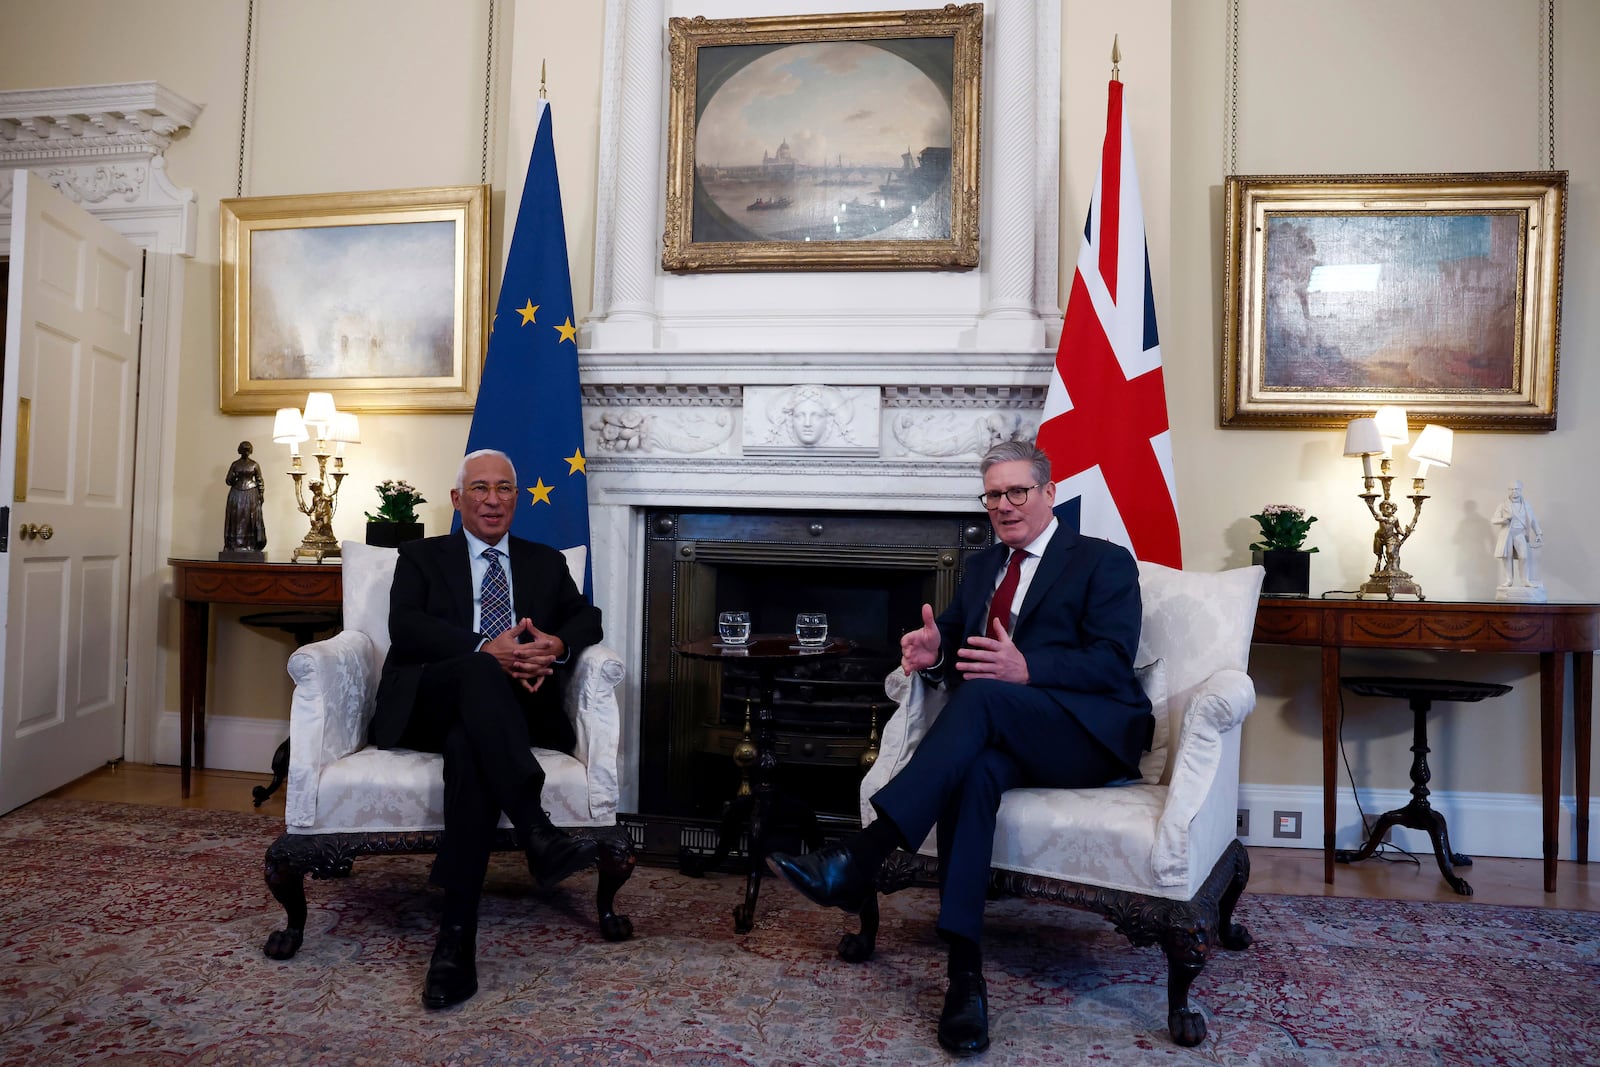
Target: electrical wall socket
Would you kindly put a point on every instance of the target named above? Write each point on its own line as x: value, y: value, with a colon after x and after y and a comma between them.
x: 1242, y: 827
x: 1286, y: 824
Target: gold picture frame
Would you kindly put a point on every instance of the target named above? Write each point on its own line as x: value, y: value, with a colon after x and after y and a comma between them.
x: 856, y: 92
x: 1438, y: 292
x: 376, y: 297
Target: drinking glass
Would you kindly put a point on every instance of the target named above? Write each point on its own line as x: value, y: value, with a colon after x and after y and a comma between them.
x: 811, y: 628
x: 733, y: 627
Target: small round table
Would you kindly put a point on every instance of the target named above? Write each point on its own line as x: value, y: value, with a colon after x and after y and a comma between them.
x: 1419, y: 814
x: 767, y: 653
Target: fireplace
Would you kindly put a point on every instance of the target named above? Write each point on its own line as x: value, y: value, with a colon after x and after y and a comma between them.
x: 870, y: 572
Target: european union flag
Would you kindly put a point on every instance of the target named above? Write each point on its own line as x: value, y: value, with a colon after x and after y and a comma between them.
x: 528, y: 404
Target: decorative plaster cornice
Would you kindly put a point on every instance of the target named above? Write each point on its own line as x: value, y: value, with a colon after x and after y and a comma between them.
x: 725, y: 396
x: 131, y: 120
x: 964, y: 396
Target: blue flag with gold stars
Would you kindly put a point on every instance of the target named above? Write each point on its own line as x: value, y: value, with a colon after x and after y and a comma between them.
x: 528, y: 404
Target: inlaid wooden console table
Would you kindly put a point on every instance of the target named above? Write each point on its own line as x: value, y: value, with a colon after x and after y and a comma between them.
x: 199, y: 583
x: 1547, y: 630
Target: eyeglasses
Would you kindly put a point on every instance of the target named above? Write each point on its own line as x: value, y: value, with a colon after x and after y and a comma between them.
x: 1017, y: 494
x: 480, y: 491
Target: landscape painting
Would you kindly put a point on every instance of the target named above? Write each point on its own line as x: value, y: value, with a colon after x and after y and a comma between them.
x: 1440, y: 293
x: 376, y: 297
x: 825, y: 143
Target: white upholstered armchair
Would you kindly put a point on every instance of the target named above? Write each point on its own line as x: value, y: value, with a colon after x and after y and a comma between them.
x: 348, y: 798
x: 1158, y: 857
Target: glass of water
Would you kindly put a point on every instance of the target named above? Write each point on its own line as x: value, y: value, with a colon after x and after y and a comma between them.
x: 733, y: 627
x: 811, y: 629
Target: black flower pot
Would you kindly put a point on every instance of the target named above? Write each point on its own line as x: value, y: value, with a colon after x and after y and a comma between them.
x: 1288, y: 571
x: 390, y: 534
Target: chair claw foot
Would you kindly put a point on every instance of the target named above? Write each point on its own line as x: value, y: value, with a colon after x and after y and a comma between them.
x: 1187, y: 1026
x: 283, y: 944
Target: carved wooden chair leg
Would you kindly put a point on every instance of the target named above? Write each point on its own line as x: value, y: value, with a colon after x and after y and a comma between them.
x: 287, y: 881
x: 858, y: 948
x: 616, y: 860
x: 1230, y: 934
x: 1185, y: 945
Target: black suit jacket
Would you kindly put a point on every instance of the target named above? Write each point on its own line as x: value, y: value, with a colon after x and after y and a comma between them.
x: 1078, y: 628
x: 430, y: 616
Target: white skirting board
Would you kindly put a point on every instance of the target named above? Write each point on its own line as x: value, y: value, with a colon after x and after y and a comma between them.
x: 1480, y: 824
x: 233, y: 742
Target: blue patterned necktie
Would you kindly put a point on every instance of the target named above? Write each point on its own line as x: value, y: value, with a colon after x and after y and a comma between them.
x: 495, y: 599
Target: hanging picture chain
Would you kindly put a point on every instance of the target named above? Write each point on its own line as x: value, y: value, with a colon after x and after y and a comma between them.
x: 244, y: 107
x: 1550, y: 74
x: 488, y: 95
x: 1230, y: 155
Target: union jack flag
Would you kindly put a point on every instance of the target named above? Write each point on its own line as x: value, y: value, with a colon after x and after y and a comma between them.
x: 1105, y: 414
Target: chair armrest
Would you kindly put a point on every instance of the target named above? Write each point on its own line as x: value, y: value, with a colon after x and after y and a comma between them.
x: 334, y: 687
x: 919, y: 705
x: 591, y: 704
x: 1214, y: 711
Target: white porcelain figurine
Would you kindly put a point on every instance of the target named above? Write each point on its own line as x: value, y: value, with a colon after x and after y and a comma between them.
x: 1516, y: 544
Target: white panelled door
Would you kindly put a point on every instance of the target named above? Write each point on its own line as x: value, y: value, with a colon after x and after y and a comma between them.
x: 66, y: 440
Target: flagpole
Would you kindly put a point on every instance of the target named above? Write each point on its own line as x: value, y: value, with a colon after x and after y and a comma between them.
x: 1116, y: 57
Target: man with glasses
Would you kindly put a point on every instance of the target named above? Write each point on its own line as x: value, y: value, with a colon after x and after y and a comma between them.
x: 481, y: 624
x: 1037, y: 648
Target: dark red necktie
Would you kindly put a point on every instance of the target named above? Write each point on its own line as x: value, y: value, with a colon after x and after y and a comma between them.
x: 1000, y: 606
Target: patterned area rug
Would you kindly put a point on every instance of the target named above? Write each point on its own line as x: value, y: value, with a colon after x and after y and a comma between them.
x: 133, y: 934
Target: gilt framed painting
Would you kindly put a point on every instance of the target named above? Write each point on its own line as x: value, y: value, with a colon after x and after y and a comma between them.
x: 378, y: 298
x: 1437, y: 292
x: 824, y: 142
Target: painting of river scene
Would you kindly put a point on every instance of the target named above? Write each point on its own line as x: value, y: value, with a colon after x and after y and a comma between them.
x: 825, y: 142
x: 832, y: 141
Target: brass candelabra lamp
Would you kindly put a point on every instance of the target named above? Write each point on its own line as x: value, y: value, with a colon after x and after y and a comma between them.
x: 331, y: 427
x: 1376, y: 436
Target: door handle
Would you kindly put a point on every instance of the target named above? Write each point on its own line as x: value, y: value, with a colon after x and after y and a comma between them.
x: 29, y: 532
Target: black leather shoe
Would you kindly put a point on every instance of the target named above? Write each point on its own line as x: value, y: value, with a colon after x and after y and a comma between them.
x: 453, y: 971
x: 829, y: 876
x: 554, y: 856
x: 964, y: 1023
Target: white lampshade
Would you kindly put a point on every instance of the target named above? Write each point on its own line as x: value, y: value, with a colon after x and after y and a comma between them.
x: 320, y: 413
x: 346, y: 428
x: 1434, y: 446
x: 288, y: 427
x: 1391, y: 420
x: 1361, y: 438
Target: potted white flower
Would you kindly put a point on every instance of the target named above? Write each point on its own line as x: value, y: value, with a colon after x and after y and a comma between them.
x: 1280, y: 551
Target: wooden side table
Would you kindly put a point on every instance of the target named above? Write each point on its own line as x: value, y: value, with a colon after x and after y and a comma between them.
x: 1549, y: 631
x: 199, y: 583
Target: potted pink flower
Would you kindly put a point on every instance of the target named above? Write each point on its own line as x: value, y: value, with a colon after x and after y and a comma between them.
x: 396, y: 518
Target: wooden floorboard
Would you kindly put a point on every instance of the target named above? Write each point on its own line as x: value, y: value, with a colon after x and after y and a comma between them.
x: 1272, y: 870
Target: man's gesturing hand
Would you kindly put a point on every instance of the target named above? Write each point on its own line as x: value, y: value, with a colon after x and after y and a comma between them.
x: 995, y: 658
x: 919, y: 649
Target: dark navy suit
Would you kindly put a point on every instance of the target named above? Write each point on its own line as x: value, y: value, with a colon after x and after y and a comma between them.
x: 1082, y: 720
x: 437, y: 694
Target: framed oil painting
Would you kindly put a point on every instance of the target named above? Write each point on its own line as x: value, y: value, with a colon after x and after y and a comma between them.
x: 378, y: 298
x: 824, y: 142
x: 1439, y: 292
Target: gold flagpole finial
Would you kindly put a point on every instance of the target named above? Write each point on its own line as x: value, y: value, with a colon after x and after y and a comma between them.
x: 542, y: 94
x: 1116, y: 57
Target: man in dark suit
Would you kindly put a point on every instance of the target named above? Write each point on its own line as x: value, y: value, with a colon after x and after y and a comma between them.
x: 474, y: 671
x: 1037, y: 648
